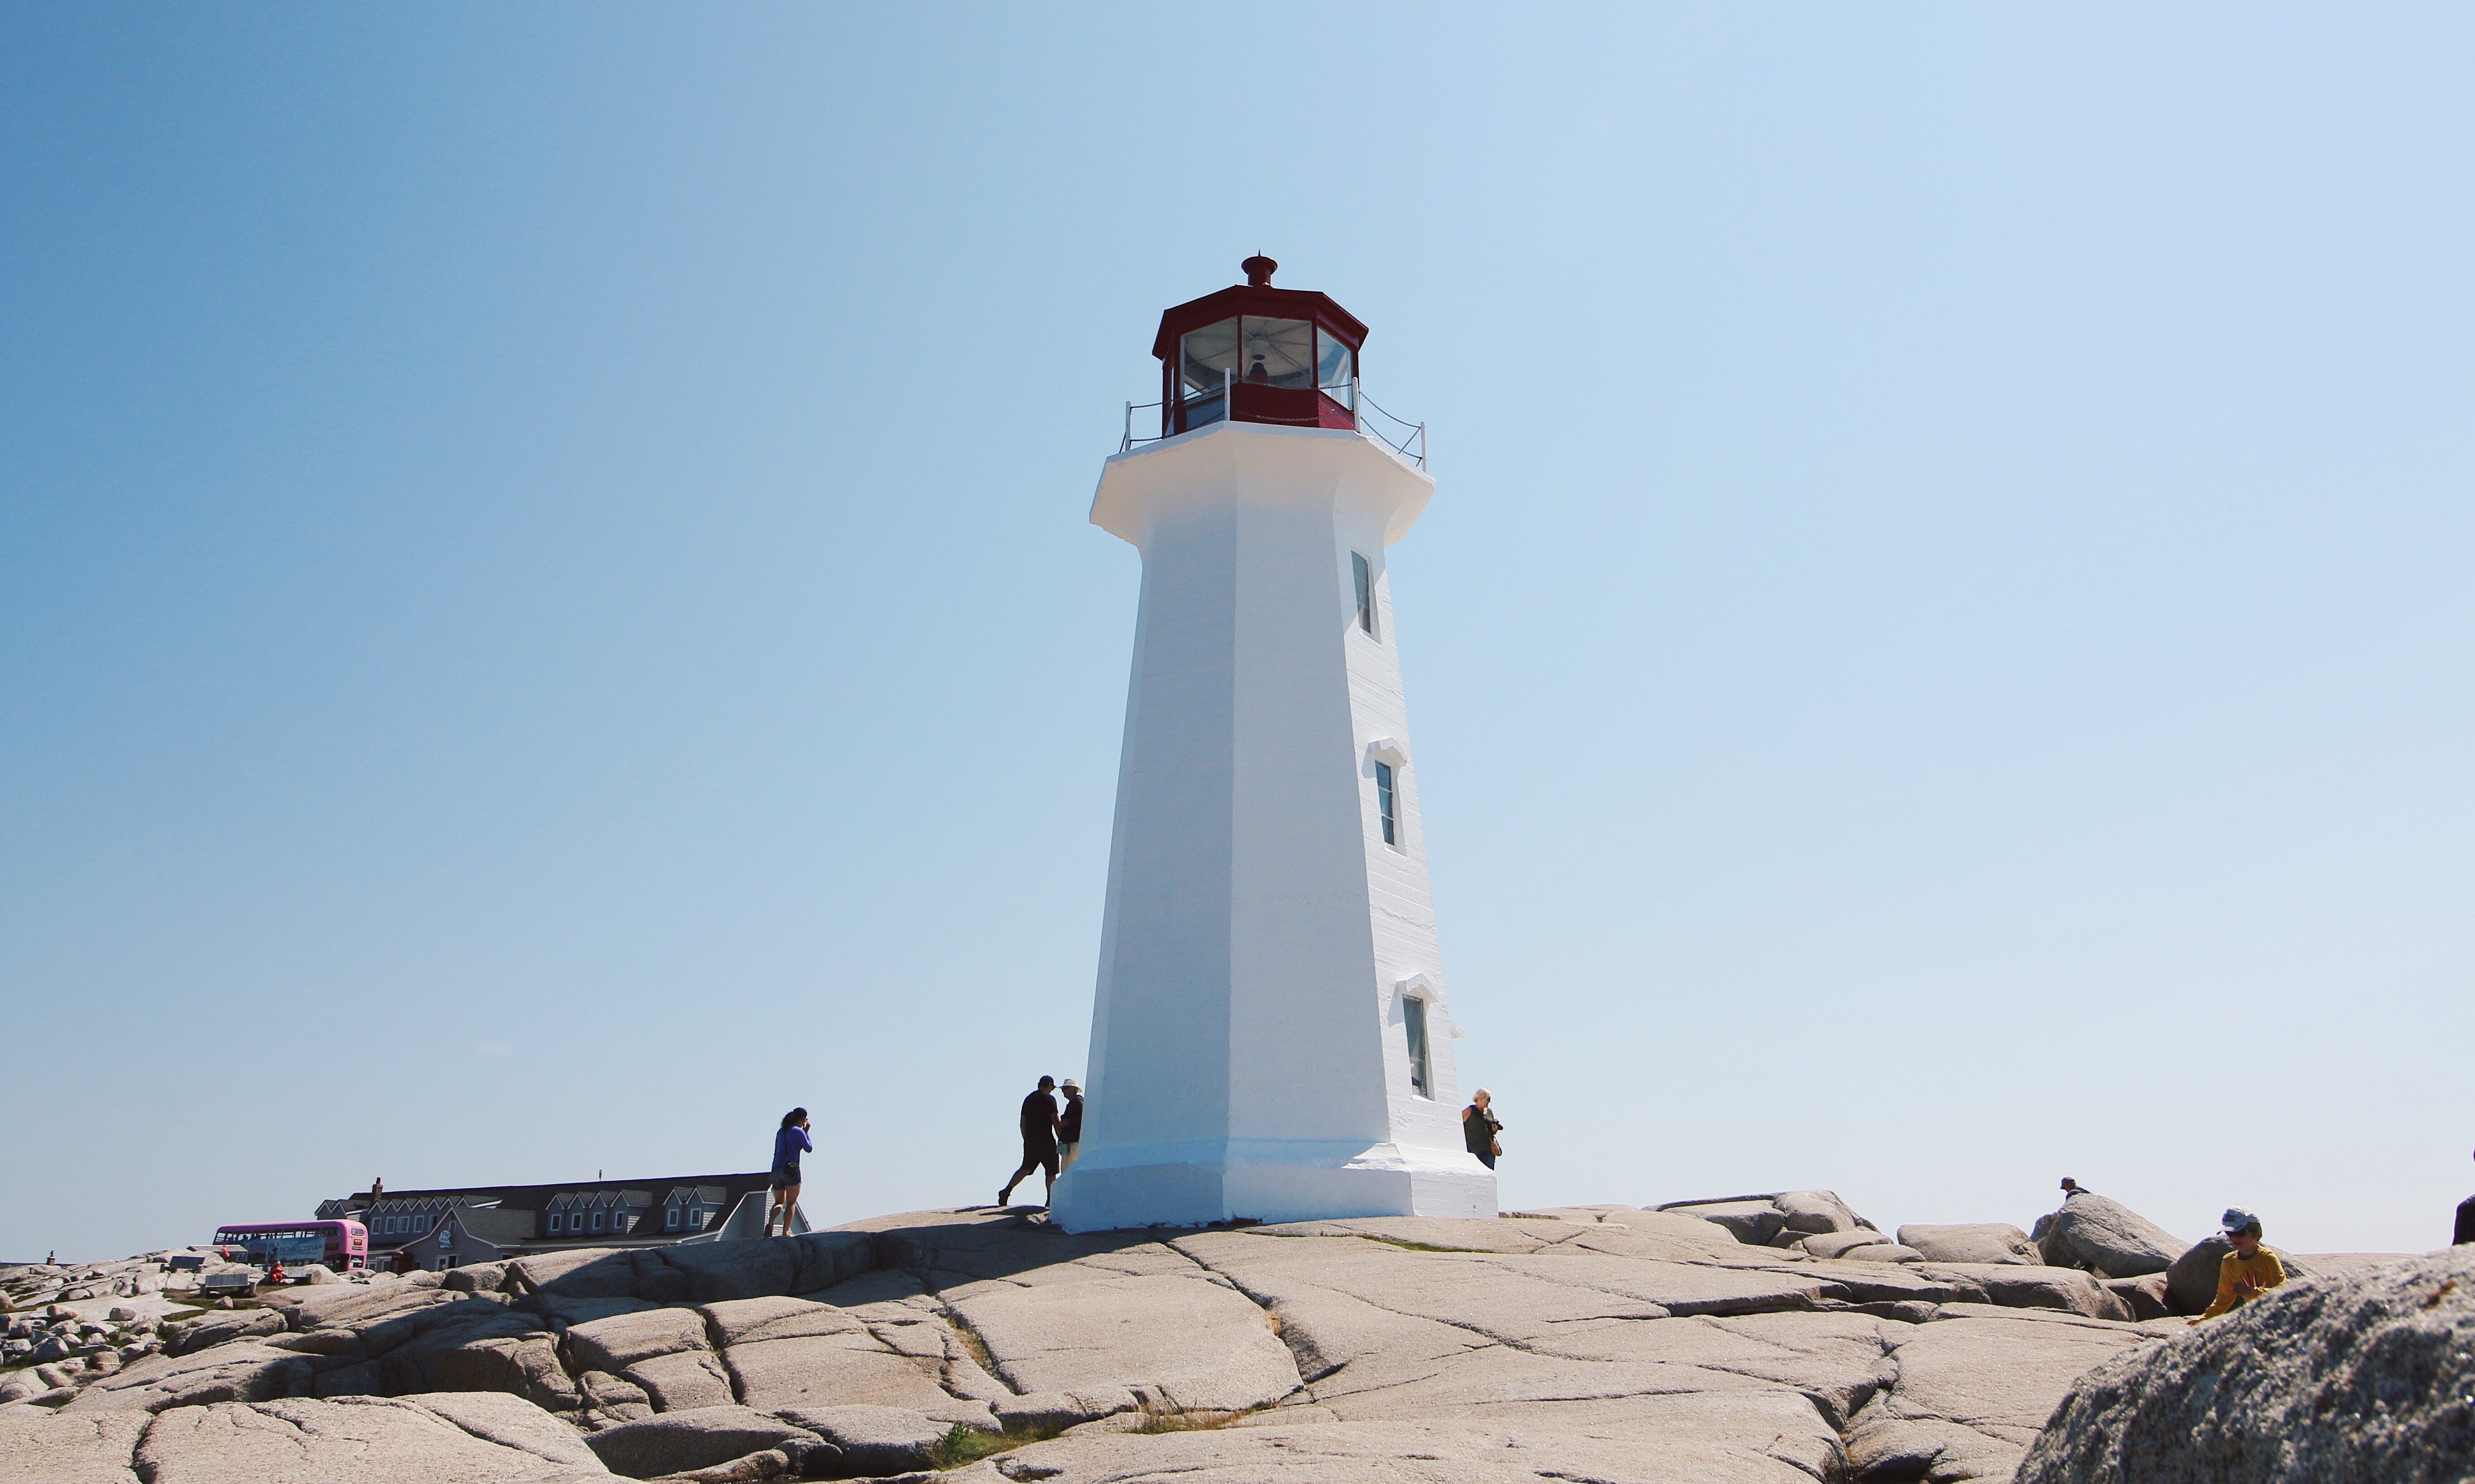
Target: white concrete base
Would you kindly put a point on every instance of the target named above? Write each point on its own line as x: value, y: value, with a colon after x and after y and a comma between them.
x: 1178, y: 1185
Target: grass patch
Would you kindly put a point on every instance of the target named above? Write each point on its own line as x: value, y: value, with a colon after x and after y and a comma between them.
x: 972, y: 1343
x: 1186, y: 1422
x: 965, y: 1445
x: 1418, y: 1247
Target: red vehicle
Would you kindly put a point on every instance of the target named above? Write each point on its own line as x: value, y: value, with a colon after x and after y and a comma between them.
x: 341, y: 1244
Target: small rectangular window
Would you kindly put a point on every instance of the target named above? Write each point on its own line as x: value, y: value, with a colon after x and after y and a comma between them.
x: 597, y: 1221
x: 1413, y: 1019
x: 1366, y: 576
x: 671, y: 1219
x: 1383, y: 802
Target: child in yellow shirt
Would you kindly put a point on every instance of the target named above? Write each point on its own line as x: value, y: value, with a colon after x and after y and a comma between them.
x: 2248, y: 1270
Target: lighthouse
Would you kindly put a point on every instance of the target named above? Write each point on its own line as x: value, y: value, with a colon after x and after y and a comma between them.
x: 1271, y: 1035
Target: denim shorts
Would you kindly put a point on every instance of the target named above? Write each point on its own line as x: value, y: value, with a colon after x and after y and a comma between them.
x: 785, y: 1176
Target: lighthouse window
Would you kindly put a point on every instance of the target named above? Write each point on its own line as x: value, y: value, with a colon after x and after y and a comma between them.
x: 1384, y: 803
x: 1206, y: 359
x: 1333, y: 366
x: 1366, y: 576
x: 1413, y: 1020
x: 1280, y: 353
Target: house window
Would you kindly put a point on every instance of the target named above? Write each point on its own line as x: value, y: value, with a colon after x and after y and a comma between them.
x: 1365, y: 593
x: 1384, y: 803
x: 421, y: 1224
x: 557, y: 1223
x: 671, y: 1219
x: 597, y: 1221
x: 1413, y: 1020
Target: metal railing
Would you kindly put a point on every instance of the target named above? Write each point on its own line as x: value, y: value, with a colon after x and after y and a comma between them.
x: 1410, y: 442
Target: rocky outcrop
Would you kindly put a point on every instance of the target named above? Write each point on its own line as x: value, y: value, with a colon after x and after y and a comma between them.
x: 1599, y: 1341
x: 2105, y: 1237
x: 2360, y: 1376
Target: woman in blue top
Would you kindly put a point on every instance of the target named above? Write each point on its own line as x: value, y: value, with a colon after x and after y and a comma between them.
x: 788, y: 1144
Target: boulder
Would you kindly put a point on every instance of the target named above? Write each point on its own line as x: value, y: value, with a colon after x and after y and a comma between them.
x: 1834, y: 1244
x: 1982, y: 1242
x: 599, y: 1273
x: 2143, y: 1296
x: 622, y: 1340
x: 1882, y: 1252
x: 1753, y: 1222
x: 238, y: 1325
x: 717, y: 1270
x: 2191, y: 1282
x: 677, y: 1442
x: 1810, y: 1212
x: 2011, y: 1285
x: 2360, y: 1376
x: 478, y: 1278
x: 874, y: 1440
x: 2105, y: 1237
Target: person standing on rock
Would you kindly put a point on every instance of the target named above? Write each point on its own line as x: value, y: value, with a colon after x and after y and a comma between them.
x: 1070, y: 1129
x: 1040, y: 1126
x: 2247, y: 1271
x: 789, y: 1142
x: 1480, y: 1128
x: 2465, y: 1223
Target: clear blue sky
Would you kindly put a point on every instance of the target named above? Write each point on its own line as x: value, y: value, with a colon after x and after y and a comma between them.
x: 547, y: 615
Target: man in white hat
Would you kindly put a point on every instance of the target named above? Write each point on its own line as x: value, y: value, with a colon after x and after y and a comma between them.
x: 1070, y: 1128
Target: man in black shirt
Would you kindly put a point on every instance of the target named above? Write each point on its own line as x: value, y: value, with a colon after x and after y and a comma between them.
x: 1038, y: 1139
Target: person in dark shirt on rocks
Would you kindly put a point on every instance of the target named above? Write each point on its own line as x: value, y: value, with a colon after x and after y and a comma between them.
x: 789, y: 1142
x: 1039, y: 1124
x: 2465, y: 1223
x: 1480, y: 1128
x: 1070, y: 1129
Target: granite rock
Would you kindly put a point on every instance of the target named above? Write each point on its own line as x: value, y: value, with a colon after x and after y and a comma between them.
x: 2360, y: 1376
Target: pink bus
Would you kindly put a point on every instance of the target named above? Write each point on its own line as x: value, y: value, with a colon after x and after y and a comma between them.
x: 341, y: 1244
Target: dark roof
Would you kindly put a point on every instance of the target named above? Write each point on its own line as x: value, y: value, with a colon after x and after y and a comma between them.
x: 503, y: 1228
x: 536, y: 1198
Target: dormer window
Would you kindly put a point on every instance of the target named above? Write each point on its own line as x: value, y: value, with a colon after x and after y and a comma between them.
x: 671, y: 1219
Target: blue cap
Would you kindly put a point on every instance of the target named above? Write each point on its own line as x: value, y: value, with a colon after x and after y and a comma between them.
x: 2236, y: 1218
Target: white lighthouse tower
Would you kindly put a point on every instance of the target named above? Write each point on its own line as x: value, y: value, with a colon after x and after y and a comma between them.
x: 1270, y: 1037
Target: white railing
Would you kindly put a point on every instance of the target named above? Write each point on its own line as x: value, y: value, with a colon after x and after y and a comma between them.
x: 1410, y: 442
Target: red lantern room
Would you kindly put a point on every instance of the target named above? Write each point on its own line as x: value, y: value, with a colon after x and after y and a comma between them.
x: 1256, y: 354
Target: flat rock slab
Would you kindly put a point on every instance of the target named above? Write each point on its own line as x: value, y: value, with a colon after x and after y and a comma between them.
x: 94, y: 1448
x: 2001, y: 1378
x: 1180, y: 1342
x: 308, y: 1442
x: 679, y: 1442
x: 825, y: 1370
x: 1663, y: 1450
